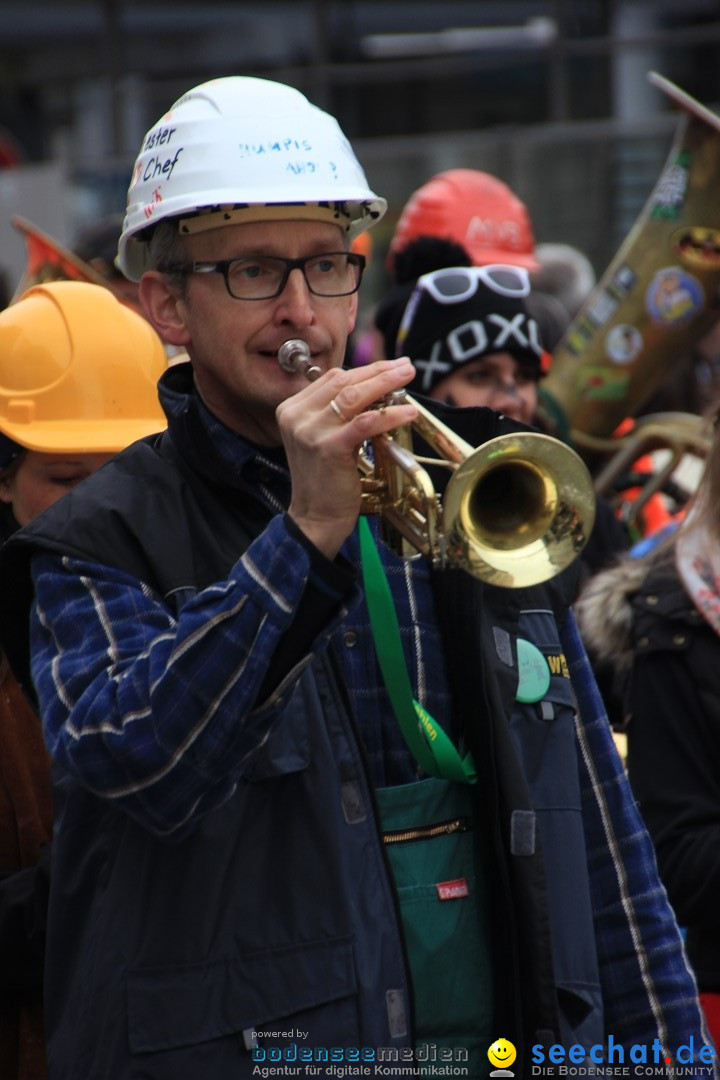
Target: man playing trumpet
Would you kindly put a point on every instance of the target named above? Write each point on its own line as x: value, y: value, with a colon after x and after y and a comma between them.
x: 314, y: 802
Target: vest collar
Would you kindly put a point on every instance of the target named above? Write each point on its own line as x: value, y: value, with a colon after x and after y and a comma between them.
x: 219, y: 454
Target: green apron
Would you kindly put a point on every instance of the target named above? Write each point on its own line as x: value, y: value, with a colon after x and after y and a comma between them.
x: 428, y: 833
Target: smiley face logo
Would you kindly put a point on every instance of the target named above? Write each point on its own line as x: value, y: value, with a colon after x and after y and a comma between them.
x: 502, y: 1053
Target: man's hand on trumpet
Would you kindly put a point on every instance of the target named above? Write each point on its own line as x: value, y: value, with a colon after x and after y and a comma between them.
x: 323, y: 427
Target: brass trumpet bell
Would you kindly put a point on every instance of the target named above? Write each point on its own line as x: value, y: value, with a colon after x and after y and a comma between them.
x: 518, y: 510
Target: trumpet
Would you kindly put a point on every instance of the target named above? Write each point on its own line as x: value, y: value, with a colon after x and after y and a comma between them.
x: 516, y: 510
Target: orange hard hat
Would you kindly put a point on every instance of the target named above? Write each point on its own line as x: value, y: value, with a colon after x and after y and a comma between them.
x: 474, y: 209
x: 78, y: 371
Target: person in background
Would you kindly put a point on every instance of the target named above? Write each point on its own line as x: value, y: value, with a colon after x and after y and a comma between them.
x: 470, y: 208
x: 492, y: 224
x: 457, y: 217
x: 241, y: 743
x: 78, y: 375
x: 654, y: 621
x: 472, y: 341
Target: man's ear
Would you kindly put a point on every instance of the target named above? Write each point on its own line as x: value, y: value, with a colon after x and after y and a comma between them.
x: 164, y: 307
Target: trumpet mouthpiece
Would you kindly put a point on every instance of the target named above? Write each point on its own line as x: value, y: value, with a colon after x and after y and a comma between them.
x: 294, y: 356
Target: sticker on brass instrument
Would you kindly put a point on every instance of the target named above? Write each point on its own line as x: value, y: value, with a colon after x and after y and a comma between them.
x: 602, y: 384
x: 623, y: 343
x: 673, y: 296
x: 602, y: 308
x: 698, y: 247
x: 622, y: 281
x: 580, y: 335
x: 574, y: 345
x: 671, y: 189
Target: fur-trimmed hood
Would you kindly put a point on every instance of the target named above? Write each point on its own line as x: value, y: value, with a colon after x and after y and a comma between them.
x: 605, y: 613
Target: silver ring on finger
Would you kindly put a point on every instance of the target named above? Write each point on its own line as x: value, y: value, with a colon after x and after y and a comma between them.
x: 338, y: 411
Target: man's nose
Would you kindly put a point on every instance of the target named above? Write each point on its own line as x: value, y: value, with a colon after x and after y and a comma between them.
x: 294, y: 302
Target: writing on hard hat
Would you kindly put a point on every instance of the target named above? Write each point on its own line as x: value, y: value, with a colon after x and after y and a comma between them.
x: 78, y: 371
x: 239, y: 149
x: 470, y: 208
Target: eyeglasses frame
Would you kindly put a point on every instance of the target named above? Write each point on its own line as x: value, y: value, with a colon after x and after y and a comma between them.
x: 222, y: 266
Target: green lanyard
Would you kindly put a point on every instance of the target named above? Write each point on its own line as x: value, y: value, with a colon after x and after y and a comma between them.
x: 429, y: 744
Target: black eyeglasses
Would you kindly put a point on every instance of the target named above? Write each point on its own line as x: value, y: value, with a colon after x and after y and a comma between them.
x: 261, y: 277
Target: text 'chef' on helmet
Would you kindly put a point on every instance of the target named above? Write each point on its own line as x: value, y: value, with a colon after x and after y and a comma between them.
x: 240, y: 149
x: 471, y: 208
x: 78, y: 371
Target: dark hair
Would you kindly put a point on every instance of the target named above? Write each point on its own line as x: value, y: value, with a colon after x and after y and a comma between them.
x: 10, y: 451
x: 167, y: 251
x: 427, y: 253
x: 420, y: 256
x: 8, y: 523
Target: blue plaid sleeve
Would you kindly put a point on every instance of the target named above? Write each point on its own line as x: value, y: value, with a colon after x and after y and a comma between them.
x: 155, y: 713
x: 649, y: 991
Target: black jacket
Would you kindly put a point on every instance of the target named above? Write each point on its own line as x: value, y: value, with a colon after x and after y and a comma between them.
x: 639, y: 619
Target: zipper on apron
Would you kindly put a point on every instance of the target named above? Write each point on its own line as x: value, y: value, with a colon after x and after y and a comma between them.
x: 427, y: 832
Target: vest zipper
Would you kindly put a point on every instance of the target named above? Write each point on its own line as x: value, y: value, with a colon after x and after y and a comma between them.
x: 427, y: 832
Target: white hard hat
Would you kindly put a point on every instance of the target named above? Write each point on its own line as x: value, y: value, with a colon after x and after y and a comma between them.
x: 232, y: 146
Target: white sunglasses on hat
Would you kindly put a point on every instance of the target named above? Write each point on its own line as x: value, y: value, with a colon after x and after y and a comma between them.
x: 454, y: 284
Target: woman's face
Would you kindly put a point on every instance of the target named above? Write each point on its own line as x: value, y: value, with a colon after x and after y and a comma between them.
x: 498, y: 381
x: 38, y: 480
